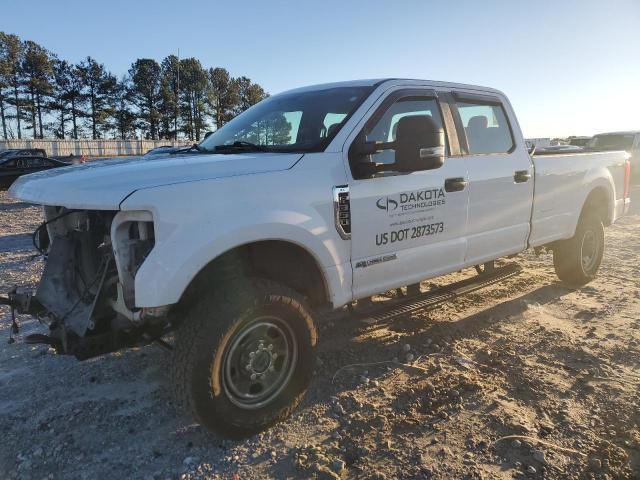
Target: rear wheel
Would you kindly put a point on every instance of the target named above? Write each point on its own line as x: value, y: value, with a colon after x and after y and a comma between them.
x: 244, y: 358
x: 578, y: 259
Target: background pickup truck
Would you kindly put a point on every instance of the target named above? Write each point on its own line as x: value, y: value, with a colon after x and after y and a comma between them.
x: 313, y: 198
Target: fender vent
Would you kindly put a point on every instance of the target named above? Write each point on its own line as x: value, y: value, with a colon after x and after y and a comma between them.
x: 342, y: 211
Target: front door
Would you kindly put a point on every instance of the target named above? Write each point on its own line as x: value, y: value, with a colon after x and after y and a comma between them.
x: 406, y: 227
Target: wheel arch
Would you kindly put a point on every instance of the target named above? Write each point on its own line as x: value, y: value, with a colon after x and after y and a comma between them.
x: 282, y: 261
x: 600, y: 201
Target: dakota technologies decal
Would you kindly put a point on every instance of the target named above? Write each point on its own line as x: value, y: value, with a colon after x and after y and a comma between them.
x: 409, y: 203
x: 413, y: 201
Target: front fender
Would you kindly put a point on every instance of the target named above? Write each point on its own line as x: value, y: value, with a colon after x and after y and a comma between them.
x: 161, y: 282
x: 196, y: 222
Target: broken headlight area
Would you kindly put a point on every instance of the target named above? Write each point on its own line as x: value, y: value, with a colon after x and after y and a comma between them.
x: 86, y: 294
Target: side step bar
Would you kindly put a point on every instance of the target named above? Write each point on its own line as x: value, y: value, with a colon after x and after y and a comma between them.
x: 440, y: 295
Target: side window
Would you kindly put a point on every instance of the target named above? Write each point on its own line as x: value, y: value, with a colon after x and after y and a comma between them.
x: 34, y: 162
x: 486, y: 127
x: 386, y: 128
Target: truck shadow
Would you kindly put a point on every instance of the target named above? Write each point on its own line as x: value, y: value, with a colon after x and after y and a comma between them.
x: 371, y: 343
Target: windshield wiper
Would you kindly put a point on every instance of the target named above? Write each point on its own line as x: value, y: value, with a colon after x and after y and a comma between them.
x: 240, y: 145
x: 194, y: 147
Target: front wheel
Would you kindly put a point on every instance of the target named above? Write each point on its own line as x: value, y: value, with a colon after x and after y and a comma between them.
x: 244, y: 357
x: 578, y: 259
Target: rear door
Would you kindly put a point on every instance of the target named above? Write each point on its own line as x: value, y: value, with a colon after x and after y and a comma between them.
x: 406, y: 227
x: 500, y: 177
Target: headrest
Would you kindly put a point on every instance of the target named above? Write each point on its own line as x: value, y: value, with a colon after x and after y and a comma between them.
x: 418, y: 126
x: 479, y: 122
x: 414, y: 133
x: 332, y: 129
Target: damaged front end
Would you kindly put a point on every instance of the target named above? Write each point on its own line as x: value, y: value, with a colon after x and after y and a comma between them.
x: 86, y: 295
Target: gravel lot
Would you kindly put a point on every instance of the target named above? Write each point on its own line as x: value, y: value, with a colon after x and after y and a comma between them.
x: 558, y: 368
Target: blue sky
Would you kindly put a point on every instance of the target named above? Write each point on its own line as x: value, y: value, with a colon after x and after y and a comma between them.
x: 569, y: 67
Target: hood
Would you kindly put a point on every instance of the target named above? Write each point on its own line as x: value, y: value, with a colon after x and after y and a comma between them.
x: 104, y: 184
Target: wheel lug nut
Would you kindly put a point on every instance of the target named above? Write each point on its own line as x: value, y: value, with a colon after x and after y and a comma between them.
x: 253, y: 376
x: 248, y: 367
x: 252, y: 354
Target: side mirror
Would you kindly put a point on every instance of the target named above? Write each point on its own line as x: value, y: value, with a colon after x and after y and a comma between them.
x: 420, y: 144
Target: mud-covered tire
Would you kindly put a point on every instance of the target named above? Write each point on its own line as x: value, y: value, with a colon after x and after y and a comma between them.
x: 578, y: 259
x: 218, y: 334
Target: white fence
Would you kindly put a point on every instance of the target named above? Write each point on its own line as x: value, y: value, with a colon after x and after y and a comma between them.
x: 90, y: 148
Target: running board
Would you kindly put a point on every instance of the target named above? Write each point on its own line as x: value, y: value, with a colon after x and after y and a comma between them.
x: 439, y: 296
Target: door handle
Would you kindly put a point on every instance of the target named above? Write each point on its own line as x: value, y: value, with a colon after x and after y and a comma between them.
x: 521, y: 176
x: 455, y: 184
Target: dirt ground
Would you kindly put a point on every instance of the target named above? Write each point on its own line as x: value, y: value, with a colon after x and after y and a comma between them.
x: 440, y: 395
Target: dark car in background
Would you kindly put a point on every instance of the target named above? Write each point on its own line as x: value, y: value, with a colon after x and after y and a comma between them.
x: 627, y: 141
x: 22, y: 152
x: 13, y: 165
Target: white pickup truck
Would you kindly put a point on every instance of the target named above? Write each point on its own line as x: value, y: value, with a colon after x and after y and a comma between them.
x: 313, y: 198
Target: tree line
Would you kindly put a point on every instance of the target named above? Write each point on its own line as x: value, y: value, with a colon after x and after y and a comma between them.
x: 43, y: 96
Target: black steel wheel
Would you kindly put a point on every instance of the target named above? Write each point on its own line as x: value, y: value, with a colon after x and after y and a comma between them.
x: 578, y: 259
x: 244, y: 357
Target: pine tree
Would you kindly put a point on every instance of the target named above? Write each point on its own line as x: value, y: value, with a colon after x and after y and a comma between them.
x: 60, y: 99
x: 5, y: 81
x: 125, y: 118
x: 37, y: 71
x: 250, y: 93
x: 224, y: 95
x: 194, y: 88
x: 98, y: 87
x: 145, y: 86
x: 11, y: 52
x: 169, y: 104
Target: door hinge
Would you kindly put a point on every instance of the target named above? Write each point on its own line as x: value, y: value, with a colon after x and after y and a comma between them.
x: 342, y: 211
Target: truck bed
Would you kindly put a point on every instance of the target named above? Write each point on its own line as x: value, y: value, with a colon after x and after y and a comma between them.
x: 562, y: 182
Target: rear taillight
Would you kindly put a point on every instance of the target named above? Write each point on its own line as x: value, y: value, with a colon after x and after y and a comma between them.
x: 627, y: 177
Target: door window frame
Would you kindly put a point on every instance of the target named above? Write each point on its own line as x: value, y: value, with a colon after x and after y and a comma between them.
x: 456, y: 97
x: 451, y: 135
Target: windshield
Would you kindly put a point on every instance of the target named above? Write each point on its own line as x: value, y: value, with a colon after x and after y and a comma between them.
x: 290, y: 122
x: 611, y: 142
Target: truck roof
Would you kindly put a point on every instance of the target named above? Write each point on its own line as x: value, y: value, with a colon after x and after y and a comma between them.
x: 400, y: 81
